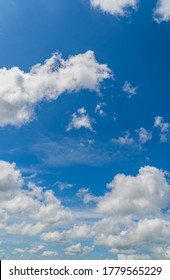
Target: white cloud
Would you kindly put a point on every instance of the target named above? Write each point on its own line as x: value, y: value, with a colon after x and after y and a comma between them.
x: 143, y: 194
x: 19, y: 251
x: 85, y: 195
x: 48, y: 253
x: 20, y: 91
x: 54, y: 237
x: 164, y: 128
x: 28, y: 211
x: 99, y: 109
x: 63, y: 185
x: 126, y: 140
x: 144, y: 135
x: 35, y: 249
x: 162, y: 11
x: 77, y: 250
x: 79, y: 120
x: 115, y: 7
x: 10, y: 179
x: 129, y: 89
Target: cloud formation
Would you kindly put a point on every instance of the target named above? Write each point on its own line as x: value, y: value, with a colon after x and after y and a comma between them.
x: 80, y: 119
x: 118, y: 7
x: 164, y: 128
x: 129, y: 89
x: 130, y: 216
x: 20, y: 91
x: 162, y: 11
x: 34, y: 208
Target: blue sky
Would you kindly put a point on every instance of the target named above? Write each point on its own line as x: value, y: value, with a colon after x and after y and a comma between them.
x: 84, y: 129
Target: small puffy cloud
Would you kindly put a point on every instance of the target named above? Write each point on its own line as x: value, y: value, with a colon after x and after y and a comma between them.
x: 48, y: 253
x: 125, y: 140
x: 35, y: 249
x: 118, y: 7
x: 77, y: 250
x: 63, y: 185
x: 81, y: 231
x: 129, y: 89
x: 162, y: 11
x: 20, y: 91
x: 164, y: 128
x: 19, y: 251
x: 99, y: 109
x: 85, y: 195
x: 144, y: 194
x: 144, y: 135
x: 80, y: 119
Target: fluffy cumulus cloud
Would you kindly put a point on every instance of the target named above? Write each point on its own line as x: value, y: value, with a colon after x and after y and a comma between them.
x: 162, y: 11
x: 80, y: 119
x: 20, y: 91
x: 131, y: 215
x: 115, y: 7
x: 49, y: 253
x: 143, y: 194
x: 27, y: 211
x: 10, y: 179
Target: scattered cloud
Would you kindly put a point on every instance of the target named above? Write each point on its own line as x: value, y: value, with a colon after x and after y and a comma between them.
x: 126, y: 140
x: 48, y: 253
x: 99, y: 108
x: 80, y: 119
x: 85, y: 195
x: 129, y: 89
x: 162, y: 11
x: 35, y: 249
x: 19, y: 251
x: 77, y: 250
x: 20, y: 91
x: 144, y: 135
x: 118, y: 7
x: 130, y: 216
x: 164, y: 128
x: 63, y: 185
x: 28, y: 210
x: 143, y: 194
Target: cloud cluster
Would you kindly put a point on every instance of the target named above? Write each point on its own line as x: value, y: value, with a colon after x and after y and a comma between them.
x: 118, y: 7
x: 144, y: 135
x: 20, y: 91
x: 80, y: 119
x: 77, y: 250
x: 162, y: 11
x: 164, y: 128
x: 132, y: 215
x: 129, y: 89
x: 143, y: 194
x: 34, y: 208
